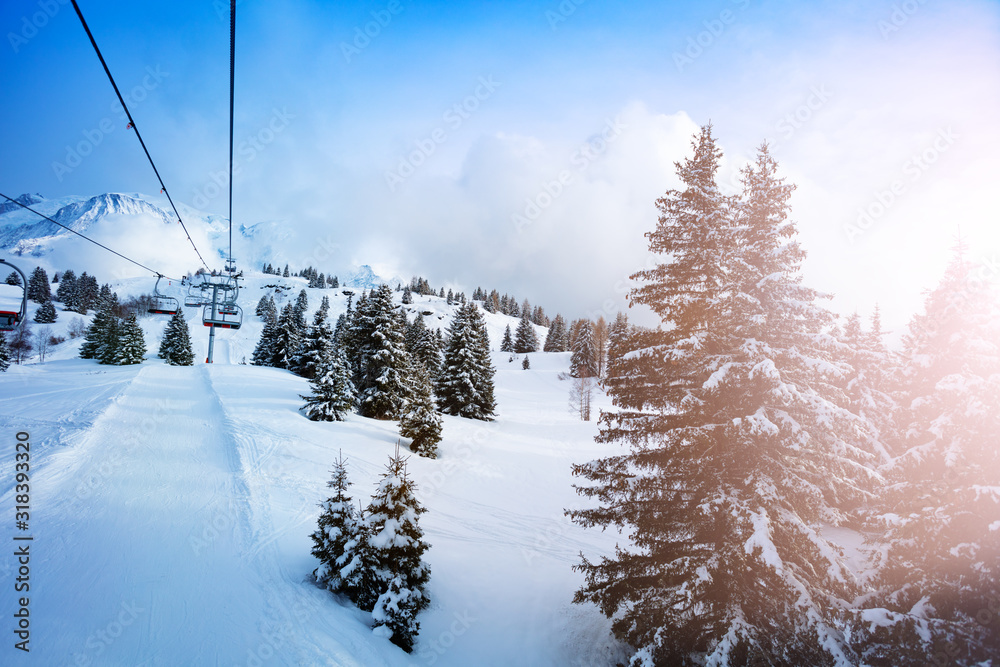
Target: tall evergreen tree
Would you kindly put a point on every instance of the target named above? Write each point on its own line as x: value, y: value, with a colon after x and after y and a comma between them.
x: 393, y: 518
x: 263, y: 353
x: 337, y: 527
x: 420, y: 421
x: 175, y: 348
x: 423, y: 347
x: 465, y: 385
x: 4, y: 354
x: 938, y: 588
x: 64, y: 293
x: 525, y: 338
x: 285, y: 342
x: 107, y: 348
x: 132, y: 348
x: 739, y: 454
x: 383, y: 362
x: 38, y: 286
x: 583, y: 363
x: 555, y: 340
x: 507, y: 344
x: 315, y: 348
x: 96, y: 334
x: 333, y: 393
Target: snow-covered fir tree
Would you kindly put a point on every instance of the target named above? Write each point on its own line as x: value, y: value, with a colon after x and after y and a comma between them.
x: 583, y: 363
x: 397, y: 541
x: 4, y: 354
x: 382, y: 359
x: 420, y: 421
x: 618, y: 344
x: 555, y: 340
x: 337, y: 527
x: 67, y: 283
x: 14, y: 278
x: 465, y: 386
x: 739, y: 455
x: 526, y: 364
x: 175, y: 348
x: 362, y: 578
x: 97, y: 333
x: 938, y: 535
x: 38, y: 286
x: 333, y: 393
x: 525, y: 338
x: 286, y: 338
x: 316, y: 347
x: 132, y: 343
x: 107, y: 347
x: 507, y: 344
x: 423, y: 347
x: 263, y: 353
x: 46, y: 313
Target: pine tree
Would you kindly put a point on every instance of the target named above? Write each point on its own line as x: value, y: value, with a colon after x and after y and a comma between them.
x: 362, y: 578
x: 285, y: 273
x: 175, y: 348
x: 262, y: 307
x: 398, y: 545
x: 38, y: 286
x: 407, y: 297
x: 583, y: 363
x: 938, y: 586
x: 555, y: 340
x: 64, y: 293
x: 422, y: 346
x: 420, y: 421
x: 525, y: 365
x: 132, y: 348
x: 739, y: 454
x: 465, y: 385
x: 382, y: 359
x: 335, y: 283
x: 286, y: 338
x: 525, y: 338
x: 96, y: 334
x: 333, y: 392
x: 507, y: 344
x: 263, y: 353
x: 46, y: 313
x: 337, y: 527
x: 316, y: 347
x: 107, y: 348
x: 4, y: 354
x: 14, y: 279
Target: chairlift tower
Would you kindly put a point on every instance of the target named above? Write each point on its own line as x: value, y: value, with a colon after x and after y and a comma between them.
x: 218, y: 296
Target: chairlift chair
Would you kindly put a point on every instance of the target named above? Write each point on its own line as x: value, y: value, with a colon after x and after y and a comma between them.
x: 226, y: 316
x: 9, y: 319
x: 162, y: 304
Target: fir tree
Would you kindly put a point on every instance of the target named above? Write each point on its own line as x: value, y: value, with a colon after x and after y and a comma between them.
x: 14, y: 279
x: 507, y: 344
x: 465, y: 385
x: 420, y: 421
x: 175, y: 348
x: 739, y: 451
x: 38, y: 286
x: 46, y: 313
x: 335, y: 283
x: 263, y: 353
x: 67, y: 283
x: 286, y: 338
x: 382, y: 359
x: 132, y: 348
x: 4, y: 354
x: 583, y: 363
x: 525, y: 338
x: 555, y: 340
x: 525, y: 365
x: 337, y: 527
x: 407, y: 297
x: 96, y: 334
x: 938, y: 585
x: 398, y: 546
x: 316, y: 347
x: 107, y: 348
x: 333, y: 392
x: 422, y: 345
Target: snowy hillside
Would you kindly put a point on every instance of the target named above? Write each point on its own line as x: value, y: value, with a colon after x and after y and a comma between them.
x: 171, y: 509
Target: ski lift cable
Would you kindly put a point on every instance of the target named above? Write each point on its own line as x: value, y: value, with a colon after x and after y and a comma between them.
x: 232, y: 98
x: 135, y: 127
x: 153, y: 271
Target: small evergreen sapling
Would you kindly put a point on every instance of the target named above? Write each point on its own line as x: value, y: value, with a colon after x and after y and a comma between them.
x: 337, y: 527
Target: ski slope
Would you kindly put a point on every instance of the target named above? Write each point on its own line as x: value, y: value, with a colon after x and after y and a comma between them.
x: 172, y: 507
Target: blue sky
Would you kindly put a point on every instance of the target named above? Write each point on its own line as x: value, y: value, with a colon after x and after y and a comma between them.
x: 420, y: 146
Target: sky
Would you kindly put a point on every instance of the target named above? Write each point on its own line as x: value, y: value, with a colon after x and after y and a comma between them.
x: 520, y: 146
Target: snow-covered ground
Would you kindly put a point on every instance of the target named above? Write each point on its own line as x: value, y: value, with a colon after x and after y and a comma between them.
x: 171, y: 510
